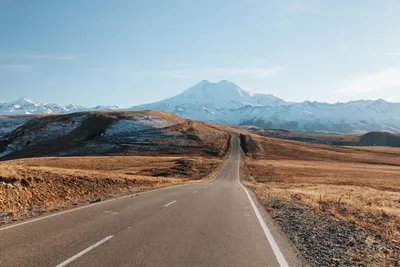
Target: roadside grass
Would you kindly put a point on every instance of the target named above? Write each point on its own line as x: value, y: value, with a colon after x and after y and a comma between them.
x: 94, y: 165
x: 30, y: 187
x: 359, y: 186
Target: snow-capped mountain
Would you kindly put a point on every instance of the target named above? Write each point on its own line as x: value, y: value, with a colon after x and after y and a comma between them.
x: 24, y: 105
x: 213, y: 102
x: 225, y: 102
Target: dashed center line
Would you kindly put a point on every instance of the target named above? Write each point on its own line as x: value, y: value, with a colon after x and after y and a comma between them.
x: 83, y: 252
x: 170, y: 203
x: 194, y: 192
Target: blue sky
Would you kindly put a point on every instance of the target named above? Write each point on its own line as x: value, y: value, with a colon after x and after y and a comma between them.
x: 130, y: 52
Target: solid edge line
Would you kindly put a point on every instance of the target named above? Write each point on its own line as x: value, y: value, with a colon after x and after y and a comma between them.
x: 112, y: 199
x: 275, y: 248
x: 170, y: 203
x: 83, y: 252
x: 278, y: 254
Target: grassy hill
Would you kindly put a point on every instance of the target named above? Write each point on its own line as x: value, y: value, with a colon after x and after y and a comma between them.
x: 368, y: 139
x: 55, y: 162
x: 380, y: 139
x: 112, y: 133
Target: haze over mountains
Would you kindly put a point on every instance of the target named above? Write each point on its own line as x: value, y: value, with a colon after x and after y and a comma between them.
x: 225, y: 102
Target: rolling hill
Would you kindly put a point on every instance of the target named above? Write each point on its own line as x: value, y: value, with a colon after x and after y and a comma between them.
x: 112, y: 133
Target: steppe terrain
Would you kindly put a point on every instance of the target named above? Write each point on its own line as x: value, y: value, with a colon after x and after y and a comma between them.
x: 59, y: 161
x: 339, y: 205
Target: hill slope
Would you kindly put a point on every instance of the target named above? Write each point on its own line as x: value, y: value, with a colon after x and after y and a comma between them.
x: 380, y: 139
x: 112, y: 133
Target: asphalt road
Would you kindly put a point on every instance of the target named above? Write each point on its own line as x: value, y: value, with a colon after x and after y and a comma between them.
x: 206, y: 224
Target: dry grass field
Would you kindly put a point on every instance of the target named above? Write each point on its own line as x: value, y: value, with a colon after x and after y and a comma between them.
x: 357, y: 186
x: 57, y: 161
x: 34, y: 186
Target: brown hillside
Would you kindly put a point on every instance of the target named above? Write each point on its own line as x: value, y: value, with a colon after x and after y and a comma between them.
x: 113, y: 133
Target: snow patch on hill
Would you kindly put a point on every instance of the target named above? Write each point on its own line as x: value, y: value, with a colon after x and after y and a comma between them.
x: 136, y: 124
x: 9, y: 124
x: 40, y: 133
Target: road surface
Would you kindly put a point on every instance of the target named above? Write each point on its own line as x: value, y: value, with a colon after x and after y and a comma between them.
x: 204, y: 224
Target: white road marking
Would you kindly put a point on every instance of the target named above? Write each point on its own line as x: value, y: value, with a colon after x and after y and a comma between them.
x: 205, y: 187
x: 278, y: 254
x: 83, y: 252
x: 194, y: 192
x: 90, y: 205
x: 170, y: 203
x: 109, y: 200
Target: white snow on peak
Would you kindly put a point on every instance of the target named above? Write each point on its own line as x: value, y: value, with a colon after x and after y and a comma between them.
x: 24, y: 105
x: 228, y: 103
x: 225, y: 102
x: 223, y: 94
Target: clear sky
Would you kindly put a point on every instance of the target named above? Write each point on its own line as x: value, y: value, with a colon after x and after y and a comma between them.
x: 131, y: 52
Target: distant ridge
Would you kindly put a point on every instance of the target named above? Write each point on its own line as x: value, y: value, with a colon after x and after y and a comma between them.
x: 380, y: 139
x: 25, y: 105
x: 227, y: 103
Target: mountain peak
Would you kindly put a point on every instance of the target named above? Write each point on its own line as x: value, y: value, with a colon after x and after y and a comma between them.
x: 24, y: 105
x: 204, y: 82
x: 211, y: 98
x: 24, y: 100
x: 381, y: 100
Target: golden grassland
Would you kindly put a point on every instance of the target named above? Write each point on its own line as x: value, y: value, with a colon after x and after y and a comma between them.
x: 32, y: 186
x: 383, y: 149
x: 32, y: 180
x: 358, y: 185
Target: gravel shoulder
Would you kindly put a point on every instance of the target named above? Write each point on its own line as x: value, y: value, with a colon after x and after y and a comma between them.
x: 326, y: 241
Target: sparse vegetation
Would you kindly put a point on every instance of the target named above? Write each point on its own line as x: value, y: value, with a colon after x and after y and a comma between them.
x: 113, y: 133
x: 30, y: 187
x: 339, y: 205
x: 110, y: 153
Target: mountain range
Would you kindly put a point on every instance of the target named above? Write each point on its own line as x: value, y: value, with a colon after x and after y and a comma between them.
x: 227, y: 103
x: 24, y: 105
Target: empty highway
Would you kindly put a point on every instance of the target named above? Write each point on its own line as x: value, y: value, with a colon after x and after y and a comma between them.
x: 212, y: 223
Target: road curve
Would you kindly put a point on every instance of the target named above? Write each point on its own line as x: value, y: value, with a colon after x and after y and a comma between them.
x: 204, y: 224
